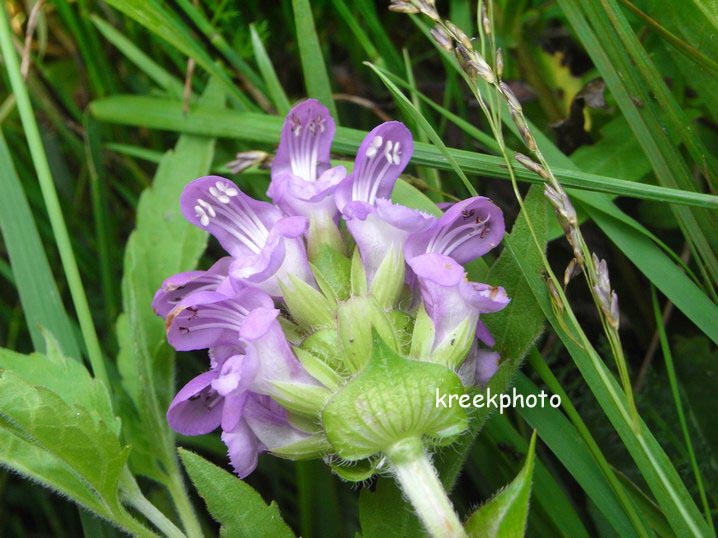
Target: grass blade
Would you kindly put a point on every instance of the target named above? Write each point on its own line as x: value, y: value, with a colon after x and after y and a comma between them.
x: 618, y: 69
x: 168, y: 26
x: 166, y: 114
x: 276, y: 91
x: 132, y: 52
x: 52, y: 202
x: 41, y: 302
x: 316, y: 78
x: 671, y: 372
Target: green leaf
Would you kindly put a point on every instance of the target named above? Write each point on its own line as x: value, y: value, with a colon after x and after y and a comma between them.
x: 77, y: 442
x: 406, y: 194
x: 316, y: 78
x: 505, y: 514
x: 65, y: 377
x: 57, y: 427
x: 235, y: 505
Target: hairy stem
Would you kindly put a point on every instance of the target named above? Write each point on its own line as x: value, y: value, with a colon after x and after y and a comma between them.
x: 419, y: 481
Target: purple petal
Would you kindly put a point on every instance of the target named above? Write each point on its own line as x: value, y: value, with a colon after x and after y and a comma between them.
x: 297, y: 196
x: 483, y: 334
x: 449, y: 298
x: 377, y: 229
x: 282, y: 254
x: 305, y: 142
x: 270, y: 424
x: 177, y: 287
x: 381, y: 158
x: 197, y: 408
x: 221, y: 352
x: 467, y: 230
x: 243, y: 447
x: 207, y: 319
x: 265, y: 339
x: 479, y: 367
x: 233, y: 409
x: 236, y: 374
x: 240, y: 223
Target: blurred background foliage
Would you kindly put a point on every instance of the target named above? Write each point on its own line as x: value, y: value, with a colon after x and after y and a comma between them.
x: 85, y: 51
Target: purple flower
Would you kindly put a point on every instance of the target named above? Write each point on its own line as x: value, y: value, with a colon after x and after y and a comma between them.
x: 176, y: 288
x: 264, y: 426
x: 467, y: 230
x: 303, y: 182
x: 206, y: 318
x: 380, y: 228
x: 264, y: 338
x: 449, y: 298
x: 251, y: 423
x: 265, y: 244
x: 381, y: 158
x: 213, y: 398
x: 376, y: 224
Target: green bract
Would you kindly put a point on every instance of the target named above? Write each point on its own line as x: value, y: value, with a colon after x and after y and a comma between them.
x: 392, y: 400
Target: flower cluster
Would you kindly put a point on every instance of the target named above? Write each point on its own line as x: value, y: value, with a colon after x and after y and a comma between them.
x: 291, y: 314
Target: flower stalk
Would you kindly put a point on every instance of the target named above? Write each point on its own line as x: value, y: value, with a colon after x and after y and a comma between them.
x: 419, y: 481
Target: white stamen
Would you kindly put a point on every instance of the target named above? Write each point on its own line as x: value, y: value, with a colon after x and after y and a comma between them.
x: 201, y: 215
x: 227, y: 189
x: 219, y: 195
x: 396, y: 154
x: 387, y: 151
x: 207, y: 207
x: 321, y: 122
x: 374, y: 146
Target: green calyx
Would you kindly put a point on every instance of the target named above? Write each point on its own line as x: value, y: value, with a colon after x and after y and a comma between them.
x: 392, y: 399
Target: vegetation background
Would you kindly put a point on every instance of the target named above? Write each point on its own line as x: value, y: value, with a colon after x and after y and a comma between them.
x: 623, y: 98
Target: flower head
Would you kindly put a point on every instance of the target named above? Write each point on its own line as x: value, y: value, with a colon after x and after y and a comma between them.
x: 304, y: 358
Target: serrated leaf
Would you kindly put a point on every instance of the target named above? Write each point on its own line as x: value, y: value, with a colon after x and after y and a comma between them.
x: 72, y: 434
x: 504, y: 516
x: 66, y: 377
x: 240, y: 509
x: 40, y: 466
